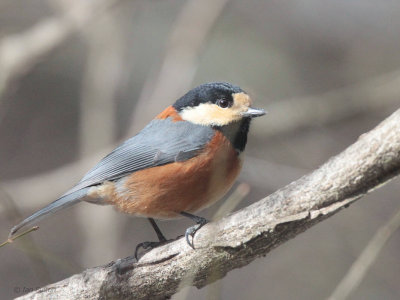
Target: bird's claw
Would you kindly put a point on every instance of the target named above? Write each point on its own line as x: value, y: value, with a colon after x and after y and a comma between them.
x: 147, y: 246
x: 191, y: 231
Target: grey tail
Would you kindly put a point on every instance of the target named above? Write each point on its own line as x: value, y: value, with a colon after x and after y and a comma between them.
x: 62, y: 202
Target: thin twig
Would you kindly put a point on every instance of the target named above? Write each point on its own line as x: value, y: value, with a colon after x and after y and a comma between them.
x: 179, y: 65
x: 288, y: 115
x: 363, y: 263
x: 35, y: 255
x: 12, y: 239
x: 20, y: 52
x: 101, y: 81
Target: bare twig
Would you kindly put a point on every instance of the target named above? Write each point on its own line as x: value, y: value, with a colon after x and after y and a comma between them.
x: 12, y: 239
x: 20, y: 52
x: 101, y: 80
x: 293, y: 114
x: 238, y: 239
x: 179, y: 65
x: 368, y: 256
x: 35, y: 255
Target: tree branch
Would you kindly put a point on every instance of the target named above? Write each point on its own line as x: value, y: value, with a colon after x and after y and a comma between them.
x: 238, y: 239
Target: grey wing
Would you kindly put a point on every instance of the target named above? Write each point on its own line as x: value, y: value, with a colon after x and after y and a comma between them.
x: 161, y: 142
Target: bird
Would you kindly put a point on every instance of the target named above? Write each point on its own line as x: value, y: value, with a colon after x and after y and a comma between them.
x: 184, y: 160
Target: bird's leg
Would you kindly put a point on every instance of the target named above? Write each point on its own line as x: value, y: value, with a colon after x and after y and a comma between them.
x: 151, y: 245
x: 121, y: 268
x: 160, y: 236
x: 191, y: 231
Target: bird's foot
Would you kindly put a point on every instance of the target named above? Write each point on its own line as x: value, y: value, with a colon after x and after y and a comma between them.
x: 147, y: 246
x: 191, y: 231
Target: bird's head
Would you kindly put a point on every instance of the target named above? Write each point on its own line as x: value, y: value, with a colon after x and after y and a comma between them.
x: 216, y: 104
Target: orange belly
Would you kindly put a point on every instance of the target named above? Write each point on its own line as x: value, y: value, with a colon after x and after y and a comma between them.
x: 165, y: 191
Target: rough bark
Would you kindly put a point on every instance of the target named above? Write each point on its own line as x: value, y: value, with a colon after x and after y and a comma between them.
x: 238, y: 239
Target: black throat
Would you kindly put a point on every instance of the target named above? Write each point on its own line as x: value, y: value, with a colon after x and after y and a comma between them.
x: 236, y: 133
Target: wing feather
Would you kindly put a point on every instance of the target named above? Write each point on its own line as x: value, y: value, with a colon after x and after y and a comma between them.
x: 161, y: 142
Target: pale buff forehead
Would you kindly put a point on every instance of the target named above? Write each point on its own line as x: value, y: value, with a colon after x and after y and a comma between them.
x: 242, y: 99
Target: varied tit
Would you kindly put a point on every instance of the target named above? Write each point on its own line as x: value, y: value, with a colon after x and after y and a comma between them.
x: 184, y: 160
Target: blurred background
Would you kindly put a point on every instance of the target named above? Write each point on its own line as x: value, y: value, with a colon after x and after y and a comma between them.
x: 78, y: 77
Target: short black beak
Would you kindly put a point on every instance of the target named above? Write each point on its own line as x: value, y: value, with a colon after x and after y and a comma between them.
x: 253, y: 112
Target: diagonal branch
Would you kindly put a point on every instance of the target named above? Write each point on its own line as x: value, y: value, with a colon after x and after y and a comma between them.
x: 238, y: 239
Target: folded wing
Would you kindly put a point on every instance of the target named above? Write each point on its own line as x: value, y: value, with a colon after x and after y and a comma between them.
x: 159, y: 143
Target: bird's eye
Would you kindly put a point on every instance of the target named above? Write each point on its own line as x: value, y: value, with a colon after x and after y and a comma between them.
x: 223, y: 103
